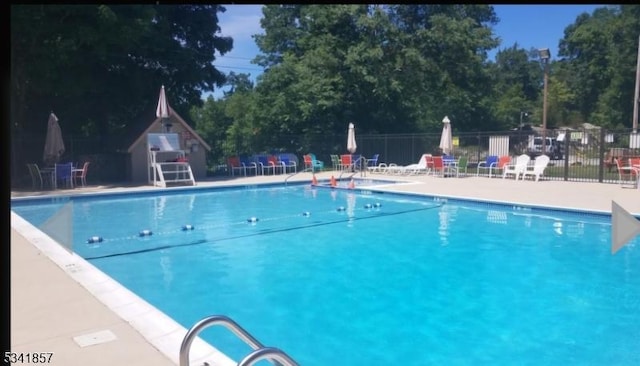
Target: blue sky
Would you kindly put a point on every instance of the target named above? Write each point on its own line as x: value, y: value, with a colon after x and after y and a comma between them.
x: 531, y: 26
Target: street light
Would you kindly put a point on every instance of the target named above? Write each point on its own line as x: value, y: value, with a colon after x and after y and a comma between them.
x: 523, y: 114
x: 545, y: 55
x: 520, y: 139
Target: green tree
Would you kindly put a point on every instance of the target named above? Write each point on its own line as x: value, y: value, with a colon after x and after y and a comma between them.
x: 99, y: 67
x: 600, y: 52
x: 330, y: 65
x: 516, y: 79
x: 211, y: 123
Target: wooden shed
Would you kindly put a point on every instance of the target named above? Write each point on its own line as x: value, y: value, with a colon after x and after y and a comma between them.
x: 193, y: 145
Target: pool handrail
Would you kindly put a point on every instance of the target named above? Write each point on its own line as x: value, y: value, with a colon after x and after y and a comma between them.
x: 234, y: 327
x: 296, y: 173
x: 266, y: 353
x: 359, y: 166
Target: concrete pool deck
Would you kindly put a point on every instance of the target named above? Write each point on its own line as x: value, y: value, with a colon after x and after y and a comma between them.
x: 56, y: 308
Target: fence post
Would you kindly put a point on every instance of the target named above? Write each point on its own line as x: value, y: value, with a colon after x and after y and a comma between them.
x: 478, y: 150
x: 413, y: 145
x: 601, y: 156
x: 567, y: 148
x: 386, y: 149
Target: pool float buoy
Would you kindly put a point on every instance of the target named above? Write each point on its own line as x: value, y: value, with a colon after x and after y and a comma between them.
x: 252, y: 220
x: 332, y: 181
x: 340, y: 209
x: 94, y: 239
x: 368, y: 205
x: 145, y: 233
x: 306, y: 214
x: 187, y: 227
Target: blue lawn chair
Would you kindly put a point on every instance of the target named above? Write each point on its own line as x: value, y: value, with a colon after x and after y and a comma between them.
x: 488, y: 165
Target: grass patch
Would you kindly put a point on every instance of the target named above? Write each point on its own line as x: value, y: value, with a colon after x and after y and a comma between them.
x: 580, y: 172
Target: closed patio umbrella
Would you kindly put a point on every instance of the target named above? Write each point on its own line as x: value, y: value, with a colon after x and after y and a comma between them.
x: 351, y: 139
x: 162, y: 111
x: 53, y: 144
x: 446, y: 143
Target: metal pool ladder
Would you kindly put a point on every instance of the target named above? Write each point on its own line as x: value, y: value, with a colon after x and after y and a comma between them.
x: 260, y: 352
x: 296, y: 173
x: 361, y: 163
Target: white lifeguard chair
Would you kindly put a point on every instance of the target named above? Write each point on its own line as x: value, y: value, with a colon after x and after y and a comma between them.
x: 166, y: 161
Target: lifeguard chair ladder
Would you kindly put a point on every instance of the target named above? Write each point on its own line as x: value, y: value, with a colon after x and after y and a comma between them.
x: 176, y: 171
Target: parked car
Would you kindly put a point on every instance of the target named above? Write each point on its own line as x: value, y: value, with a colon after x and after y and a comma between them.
x: 553, y: 148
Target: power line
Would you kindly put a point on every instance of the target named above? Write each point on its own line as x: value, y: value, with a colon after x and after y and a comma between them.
x: 238, y: 67
x: 236, y: 58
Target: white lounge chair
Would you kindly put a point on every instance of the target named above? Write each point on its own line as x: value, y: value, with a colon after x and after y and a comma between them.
x: 420, y: 167
x: 381, y: 168
x: 518, y: 168
x: 539, y: 165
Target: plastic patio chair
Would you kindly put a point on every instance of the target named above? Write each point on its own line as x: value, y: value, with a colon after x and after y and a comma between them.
x: 373, y: 162
x: 317, y: 164
x: 287, y: 163
x: 487, y: 165
x: 345, y: 162
x: 627, y: 174
x: 335, y: 161
x: 37, y: 181
x: 249, y: 164
x: 81, y: 174
x: 518, y: 168
x: 459, y: 166
x: 438, y: 166
x: 265, y: 165
x: 539, y: 165
x: 63, y: 175
x: 308, y: 162
x: 277, y: 167
x: 357, y: 162
x: 235, y: 165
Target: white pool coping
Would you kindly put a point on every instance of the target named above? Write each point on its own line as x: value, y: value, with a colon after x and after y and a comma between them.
x: 160, y: 330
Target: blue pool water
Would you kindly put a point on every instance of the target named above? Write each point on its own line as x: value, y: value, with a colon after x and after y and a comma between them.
x: 371, y: 279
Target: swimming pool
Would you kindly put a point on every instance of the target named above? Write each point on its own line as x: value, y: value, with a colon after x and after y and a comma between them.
x: 411, y: 280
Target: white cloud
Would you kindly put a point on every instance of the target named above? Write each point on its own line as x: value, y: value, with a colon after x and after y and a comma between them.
x: 241, y: 21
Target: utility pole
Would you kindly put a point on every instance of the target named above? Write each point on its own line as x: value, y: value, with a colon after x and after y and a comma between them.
x: 545, y: 55
x: 636, y: 97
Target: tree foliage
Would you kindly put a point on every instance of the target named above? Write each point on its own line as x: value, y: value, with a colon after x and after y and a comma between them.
x: 401, y: 68
x: 100, y: 67
x: 600, y: 51
x: 386, y: 68
x: 383, y: 68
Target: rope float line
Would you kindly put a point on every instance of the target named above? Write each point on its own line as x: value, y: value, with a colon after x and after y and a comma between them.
x: 252, y: 220
x: 269, y: 231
